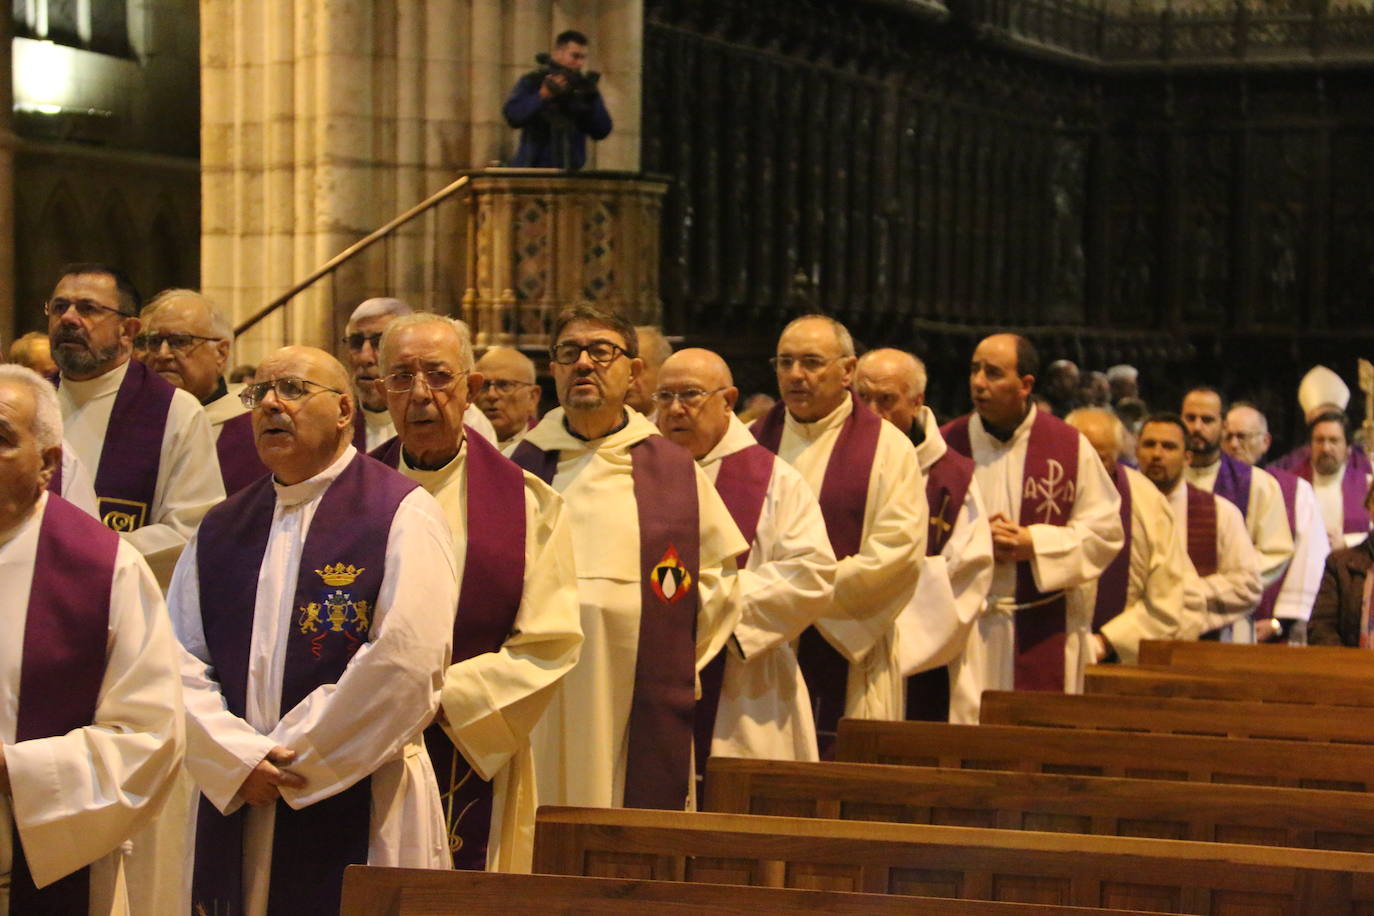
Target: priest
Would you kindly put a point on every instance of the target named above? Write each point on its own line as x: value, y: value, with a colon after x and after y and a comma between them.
x: 509, y: 396
x: 1340, y: 481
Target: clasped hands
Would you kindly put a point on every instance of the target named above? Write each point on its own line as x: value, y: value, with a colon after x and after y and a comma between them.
x: 263, y: 785
x: 1011, y: 543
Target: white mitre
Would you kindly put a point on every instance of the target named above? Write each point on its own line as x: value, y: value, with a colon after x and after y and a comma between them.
x: 1319, y: 387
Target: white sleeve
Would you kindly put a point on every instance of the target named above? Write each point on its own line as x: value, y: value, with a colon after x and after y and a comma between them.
x: 1310, y: 550
x: 1070, y: 555
x: 721, y: 543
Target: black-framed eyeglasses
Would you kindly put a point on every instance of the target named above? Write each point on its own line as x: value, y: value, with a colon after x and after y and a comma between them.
x: 287, y: 389
x: 691, y: 398
x: 180, y: 343
x: 435, y: 380
x: 86, y: 309
x: 504, y: 386
x: 355, y: 341
x: 600, y: 351
x: 808, y: 363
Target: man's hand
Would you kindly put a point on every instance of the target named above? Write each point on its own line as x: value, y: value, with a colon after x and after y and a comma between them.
x: 260, y: 788
x: 1011, y: 543
x: 553, y: 85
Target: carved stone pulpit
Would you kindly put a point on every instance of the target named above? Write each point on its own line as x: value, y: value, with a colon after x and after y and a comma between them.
x: 539, y: 240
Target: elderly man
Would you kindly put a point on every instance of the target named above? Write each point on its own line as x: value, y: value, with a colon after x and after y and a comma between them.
x: 1124, y: 382
x: 934, y: 627
x: 1319, y: 391
x: 363, y: 337
x: 867, y: 478
x: 754, y: 701
x: 153, y: 455
x: 509, y: 396
x: 92, y: 725
x: 185, y: 339
x: 655, y: 551
x: 1225, y: 585
x: 517, y: 632
x: 1056, y: 526
x: 1289, y: 599
x: 33, y: 351
x: 654, y: 350
x: 1141, y: 594
x: 316, y: 608
x: 1340, y: 482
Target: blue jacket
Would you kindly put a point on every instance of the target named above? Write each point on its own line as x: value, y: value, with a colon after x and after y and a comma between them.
x: 529, y: 113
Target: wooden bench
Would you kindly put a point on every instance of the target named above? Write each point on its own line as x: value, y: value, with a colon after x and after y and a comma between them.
x: 1242, y: 761
x: 1211, y: 684
x: 1169, y: 876
x: 1178, y: 715
x: 1227, y: 656
x: 1211, y: 813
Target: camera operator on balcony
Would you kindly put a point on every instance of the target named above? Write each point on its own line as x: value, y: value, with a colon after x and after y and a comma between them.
x: 557, y: 107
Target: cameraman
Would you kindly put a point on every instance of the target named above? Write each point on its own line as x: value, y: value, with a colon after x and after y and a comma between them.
x: 557, y: 107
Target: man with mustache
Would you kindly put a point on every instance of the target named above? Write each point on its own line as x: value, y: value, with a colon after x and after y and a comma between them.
x: 1339, y: 480
x: 655, y: 550
x: 1253, y: 491
x: 316, y: 610
x: 150, y: 445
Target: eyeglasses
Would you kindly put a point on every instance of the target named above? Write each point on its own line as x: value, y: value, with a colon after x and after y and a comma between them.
x: 600, y: 351
x: 287, y: 389
x: 1239, y: 436
x: 180, y: 343
x: 810, y: 364
x: 434, y: 379
x: 691, y: 398
x: 86, y: 309
x: 355, y: 341
x: 505, y: 385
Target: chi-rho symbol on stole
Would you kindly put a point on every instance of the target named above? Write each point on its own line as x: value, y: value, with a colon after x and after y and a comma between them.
x: 1050, y: 496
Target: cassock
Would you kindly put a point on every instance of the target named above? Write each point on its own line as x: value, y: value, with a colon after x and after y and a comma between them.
x: 1141, y: 595
x: 88, y: 771
x: 492, y: 699
x: 358, y: 734
x: 876, y: 522
x: 934, y: 626
x: 1036, y: 607
x: 585, y: 750
x: 1257, y: 495
x: 1340, y: 498
x: 788, y: 580
x: 1293, y: 594
x: 232, y: 425
x: 373, y: 428
x: 1225, y: 585
x: 156, y: 472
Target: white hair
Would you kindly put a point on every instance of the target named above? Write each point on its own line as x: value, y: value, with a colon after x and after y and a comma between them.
x: 1076, y: 418
x: 842, y: 335
x: 47, y: 413
x: 914, y: 365
x: 527, y: 367
x: 375, y: 308
x: 654, y: 348
x: 417, y: 319
x: 1122, y: 372
x: 220, y: 328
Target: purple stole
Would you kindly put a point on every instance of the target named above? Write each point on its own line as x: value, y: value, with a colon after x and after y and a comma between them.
x: 359, y: 429
x: 1202, y: 530
x: 1049, y: 487
x: 343, y: 563
x: 1353, y: 488
x: 493, y: 583
x: 843, y: 498
x: 1233, y: 483
x: 1288, y: 486
x: 66, y: 628
x: 239, y: 463
x: 659, y: 765
x: 1111, y: 587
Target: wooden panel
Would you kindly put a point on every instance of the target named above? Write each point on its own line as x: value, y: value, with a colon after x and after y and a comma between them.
x: 1207, y: 683
x: 1231, y: 657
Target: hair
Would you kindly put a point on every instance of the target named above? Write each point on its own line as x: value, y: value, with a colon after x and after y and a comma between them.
x: 21, y: 348
x: 1131, y: 411
x: 219, y: 324
x: 1330, y: 416
x: 595, y: 314
x: 375, y: 308
x: 417, y: 319
x: 1264, y: 421
x: 1166, y: 416
x: 654, y: 348
x: 47, y: 413
x: 130, y: 302
x: 919, y: 377
x: 842, y: 335
x: 1075, y: 417
x: 1027, y: 357
x: 524, y: 362
x: 1208, y: 389
x: 1123, y: 372
x: 570, y: 37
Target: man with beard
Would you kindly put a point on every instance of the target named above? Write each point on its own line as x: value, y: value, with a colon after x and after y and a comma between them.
x: 1320, y: 390
x: 1341, y: 483
x: 1225, y: 584
x: 509, y: 396
x: 1253, y: 491
x: 156, y: 472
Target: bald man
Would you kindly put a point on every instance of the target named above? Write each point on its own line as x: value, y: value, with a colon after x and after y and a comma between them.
x: 316, y: 608
x: 509, y: 396
x: 33, y: 351
x: 754, y: 700
x: 1056, y: 526
x: 1141, y: 594
x: 933, y: 629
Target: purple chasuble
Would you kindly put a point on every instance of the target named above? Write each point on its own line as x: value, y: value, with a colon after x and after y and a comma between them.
x: 1049, y: 488
x: 342, y: 566
x: 1111, y: 587
x: 66, y: 631
x: 1202, y: 530
x: 843, y: 499
x: 389, y: 452
x: 1288, y: 486
x: 239, y: 463
x: 1354, y: 516
x: 360, y: 430
x: 1233, y: 483
x: 659, y: 766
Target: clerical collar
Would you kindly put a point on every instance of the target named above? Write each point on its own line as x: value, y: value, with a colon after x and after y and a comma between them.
x: 917, y: 433
x: 624, y: 421
x: 220, y: 391
x: 413, y: 462
x: 1002, y: 435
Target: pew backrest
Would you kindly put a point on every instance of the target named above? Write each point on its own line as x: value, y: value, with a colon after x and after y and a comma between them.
x: 1229, y: 656
x: 1211, y: 684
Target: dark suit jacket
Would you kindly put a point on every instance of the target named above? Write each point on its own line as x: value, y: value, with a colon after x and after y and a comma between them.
x: 1336, y: 615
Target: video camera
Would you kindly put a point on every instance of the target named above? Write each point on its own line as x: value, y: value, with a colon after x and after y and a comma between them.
x: 578, y: 88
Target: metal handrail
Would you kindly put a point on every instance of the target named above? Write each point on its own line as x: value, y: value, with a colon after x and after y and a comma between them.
x: 339, y: 259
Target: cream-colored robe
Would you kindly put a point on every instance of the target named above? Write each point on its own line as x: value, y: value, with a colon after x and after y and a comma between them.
x: 492, y: 700
x: 788, y: 582
x: 1266, y: 519
x: 1227, y: 596
x: 1331, y: 502
x: 580, y: 745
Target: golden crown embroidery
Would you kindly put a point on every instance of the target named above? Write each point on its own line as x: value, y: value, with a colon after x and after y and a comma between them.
x: 336, y: 611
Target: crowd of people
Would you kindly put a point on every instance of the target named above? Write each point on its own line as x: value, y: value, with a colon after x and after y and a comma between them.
x: 376, y: 610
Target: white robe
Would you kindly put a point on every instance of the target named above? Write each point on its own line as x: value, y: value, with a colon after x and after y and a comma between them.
x: 1066, y: 557
x: 1310, y: 550
x: 379, y: 427
x: 492, y: 700
x: 875, y: 584
x: 1266, y: 519
x: 934, y: 627
x: 1225, y: 598
x: 225, y: 408
x: 1157, y: 578
x: 188, y: 480
x: 1330, y: 490
x: 78, y: 798
x: 78, y: 487
x: 368, y: 723
x: 788, y: 581
x: 580, y: 746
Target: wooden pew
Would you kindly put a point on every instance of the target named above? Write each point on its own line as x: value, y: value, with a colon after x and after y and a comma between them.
x: 1227, y: 656
x: 1211, y: 813
x: 1211, y: 684
x: 1242, y: 761
x: 1178, y: 715
x: 954, y: 862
